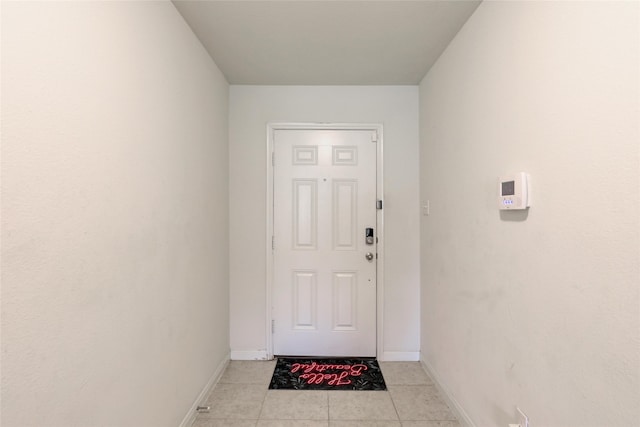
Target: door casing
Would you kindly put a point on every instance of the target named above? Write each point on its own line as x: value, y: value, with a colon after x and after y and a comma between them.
x: 271, y: 128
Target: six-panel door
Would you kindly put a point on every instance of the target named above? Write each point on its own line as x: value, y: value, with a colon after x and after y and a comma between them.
x: 324, y: 287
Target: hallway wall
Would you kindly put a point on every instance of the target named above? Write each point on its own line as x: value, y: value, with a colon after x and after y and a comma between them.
x: 114, y: 215
x: 251, y: 108
x: 538, y: 310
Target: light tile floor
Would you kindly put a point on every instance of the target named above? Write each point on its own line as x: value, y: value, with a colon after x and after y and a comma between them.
x: 241, y: 399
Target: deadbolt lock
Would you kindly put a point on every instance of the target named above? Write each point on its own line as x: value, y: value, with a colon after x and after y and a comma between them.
x: 368, y: 236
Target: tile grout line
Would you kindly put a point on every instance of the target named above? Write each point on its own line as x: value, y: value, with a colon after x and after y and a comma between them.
x: 393, y: 402
x: 264, y: 399
x: 328, y: 410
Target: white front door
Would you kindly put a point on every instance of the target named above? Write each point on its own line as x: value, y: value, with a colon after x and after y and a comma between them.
x: 324, y: 281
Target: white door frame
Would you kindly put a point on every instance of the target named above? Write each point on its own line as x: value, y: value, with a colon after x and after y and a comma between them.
x: 271, y: 128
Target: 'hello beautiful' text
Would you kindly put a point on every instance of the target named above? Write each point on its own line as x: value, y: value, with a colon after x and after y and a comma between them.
x: 314, y: 373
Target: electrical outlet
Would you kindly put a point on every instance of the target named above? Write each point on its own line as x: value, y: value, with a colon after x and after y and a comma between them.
x: 523, y: 420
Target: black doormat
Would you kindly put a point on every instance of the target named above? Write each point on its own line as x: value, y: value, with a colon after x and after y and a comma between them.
x: 327, y: 374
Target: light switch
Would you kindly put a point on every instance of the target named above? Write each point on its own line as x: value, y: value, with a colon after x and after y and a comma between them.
x: 425, y: 208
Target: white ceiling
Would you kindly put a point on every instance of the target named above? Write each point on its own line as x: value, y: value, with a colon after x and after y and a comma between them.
x: 325, y: 42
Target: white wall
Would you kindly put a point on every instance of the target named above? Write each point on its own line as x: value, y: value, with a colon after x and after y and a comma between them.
x: 114, y: 215
x: 251, y: 108
x: 537, y: 310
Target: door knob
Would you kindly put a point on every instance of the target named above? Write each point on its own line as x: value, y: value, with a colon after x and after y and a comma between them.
x: 369, y: 256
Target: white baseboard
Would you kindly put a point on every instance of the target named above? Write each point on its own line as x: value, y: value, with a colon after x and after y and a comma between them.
x: 387, y: 356
x: 249, y: 355
x: 191, y: 415
x: 457, y: 409
x: 400, y: 356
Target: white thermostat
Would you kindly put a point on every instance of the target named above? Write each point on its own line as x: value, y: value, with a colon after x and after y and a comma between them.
x: 514, y: 191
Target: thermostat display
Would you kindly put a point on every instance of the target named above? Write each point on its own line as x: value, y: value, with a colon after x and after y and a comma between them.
x: 514, y: 191
x: 508, y: 188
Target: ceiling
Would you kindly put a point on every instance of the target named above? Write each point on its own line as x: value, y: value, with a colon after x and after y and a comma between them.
x: 325, y: 42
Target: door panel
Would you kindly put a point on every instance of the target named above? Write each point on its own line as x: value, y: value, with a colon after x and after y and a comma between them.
x: 305, y: 214
x: 345, y: 221
x: 324, y: 288
x: 345, y: 300
x: 304, y: 299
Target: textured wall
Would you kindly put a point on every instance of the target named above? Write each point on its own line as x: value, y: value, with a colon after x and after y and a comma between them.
x: 251, y: 108
x: 537, y: 310
x: 114, y: 215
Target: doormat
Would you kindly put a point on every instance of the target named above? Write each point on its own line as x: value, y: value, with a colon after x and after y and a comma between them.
x: 327, y: 374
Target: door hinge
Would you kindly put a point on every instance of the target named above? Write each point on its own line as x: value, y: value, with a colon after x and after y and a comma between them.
x: 273, y: 326
x: 273, y: 242
x: 379, y: 204
x: 374, y: 136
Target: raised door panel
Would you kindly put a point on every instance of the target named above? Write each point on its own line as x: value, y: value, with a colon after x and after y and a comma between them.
x: 345, y: 214
x: 305, y: 299
x: 305, y: 214
x: 345, y: 294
